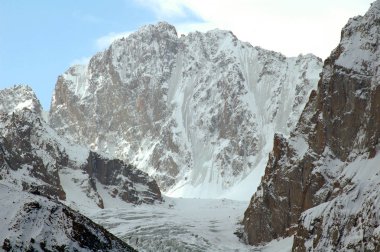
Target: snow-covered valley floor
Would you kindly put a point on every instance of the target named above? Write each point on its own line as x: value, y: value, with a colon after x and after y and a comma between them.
x: 181, y: 224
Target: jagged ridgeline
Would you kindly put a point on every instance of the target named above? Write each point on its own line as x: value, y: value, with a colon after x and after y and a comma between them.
x: 197, y: 112
x: 322, y: 184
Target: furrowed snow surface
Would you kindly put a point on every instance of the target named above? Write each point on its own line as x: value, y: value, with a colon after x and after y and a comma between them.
x: 177, y: 224
x: 181, y: 224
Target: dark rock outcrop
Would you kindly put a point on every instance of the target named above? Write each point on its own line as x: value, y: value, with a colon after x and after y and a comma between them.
x: 123, y: 180
x: 21, y: 152
x: 287, y: 189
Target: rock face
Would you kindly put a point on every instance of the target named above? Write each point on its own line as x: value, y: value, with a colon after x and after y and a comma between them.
x: 195, y: 112
x: 125, y: 181
x: 322, y: 183
x: 20, y: 150
x: 26, y: 156
x: 34, y: 223
x: 33, y: 157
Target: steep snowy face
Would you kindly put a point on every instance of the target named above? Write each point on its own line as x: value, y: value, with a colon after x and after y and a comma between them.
x: 321, y: 184
x: 34, y: 157
x: 198, y: 112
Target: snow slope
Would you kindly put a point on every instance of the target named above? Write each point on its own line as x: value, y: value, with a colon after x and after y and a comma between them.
x: 31, y: 222
x: 196, y: 112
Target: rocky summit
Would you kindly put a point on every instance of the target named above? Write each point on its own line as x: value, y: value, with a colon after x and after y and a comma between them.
x: 197, y: 112
x: 322, y: 184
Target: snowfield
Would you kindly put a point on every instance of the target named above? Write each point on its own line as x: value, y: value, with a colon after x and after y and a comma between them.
x: 181, y: 224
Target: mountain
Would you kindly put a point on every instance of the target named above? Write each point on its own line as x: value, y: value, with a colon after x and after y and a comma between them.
x: 34, y: 157
x: 196, y: 112
x: 322, y: 184
x: 31, y: 222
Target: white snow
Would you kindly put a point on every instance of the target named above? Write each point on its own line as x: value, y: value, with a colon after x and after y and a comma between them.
x: 280, y: 245
x: 24, y: 104
x: 77, y: 76
x: 20, y: 226
x: 300, y: 145
x: 78, y: 194
x: 181, y: 224
x: 29, y: 220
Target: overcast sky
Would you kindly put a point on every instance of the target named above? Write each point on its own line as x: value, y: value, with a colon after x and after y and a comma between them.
x: 40, y: 39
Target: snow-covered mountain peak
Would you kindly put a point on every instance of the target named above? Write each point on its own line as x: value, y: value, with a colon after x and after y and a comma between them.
x: 150, y: 34
x: 17, y: 98
x: 160, y: 28
x: 197, y: 112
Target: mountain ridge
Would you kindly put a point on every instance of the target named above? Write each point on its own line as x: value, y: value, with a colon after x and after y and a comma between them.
x: 191, y: 111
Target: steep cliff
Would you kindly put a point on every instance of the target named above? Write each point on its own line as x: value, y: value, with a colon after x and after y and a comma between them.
x: 196, y: 112
x: 321, y: 184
